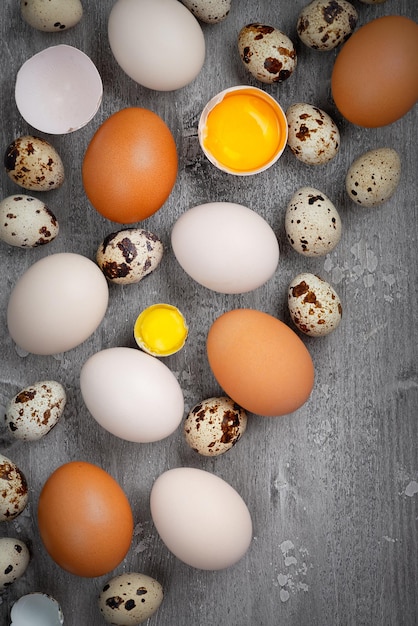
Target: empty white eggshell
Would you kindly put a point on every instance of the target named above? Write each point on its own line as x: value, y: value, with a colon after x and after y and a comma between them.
x: 58, y: 90
x: 36, y: 609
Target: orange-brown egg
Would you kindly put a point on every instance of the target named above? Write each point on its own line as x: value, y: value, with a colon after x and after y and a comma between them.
x: 375, y: 76
x: 85, y: 520
x: 260, y: 362
x: 130, y: 165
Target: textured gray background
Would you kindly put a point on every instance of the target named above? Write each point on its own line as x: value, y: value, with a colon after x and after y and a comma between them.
x: 332, y: 487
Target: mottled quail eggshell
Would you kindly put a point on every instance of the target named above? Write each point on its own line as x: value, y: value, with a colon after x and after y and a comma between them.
x: 325, y: 24
x: 312, y: 223
x: 14, y: 559
x: 373, y: 177
x: 13, y: 490
x: 130, y: 599
x: 209, y: 11
x: 35, y: 410
x: 314, y: 306
x: 26, y: 222
x: 128, y: 255
x: 313, y: 136
x: 51, y: 15
x: 267, y: 53
x: 33, y: 163
x: 214, y: 426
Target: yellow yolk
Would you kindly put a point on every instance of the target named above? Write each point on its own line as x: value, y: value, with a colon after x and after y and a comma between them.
x: 160, y: 330
x: 243, y: 131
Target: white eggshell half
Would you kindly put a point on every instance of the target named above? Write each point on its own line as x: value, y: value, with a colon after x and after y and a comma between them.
x: 37, y: 609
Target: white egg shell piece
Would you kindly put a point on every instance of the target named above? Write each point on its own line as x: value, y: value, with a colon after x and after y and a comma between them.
x: 37, y: 609
x: 214, y: 426
x: 267, y: 53
x: 35, y: 410
x: 209, y: 11
x: 312, y: 223
x: 201, y: 518
x: 51, y: 15
x: 143, y: 35
x: 373, y: 177
x: 130, y: 599
x: 58, y: 90
x: 14, y: 559
x: 13, y: 490
x: 34, y: 164
x: 57, y: 304
x: 127, y: 256
x: 26, y: 222
x: 313, y: 135
x: 314, y: 306
x: 225, y: 247
x: 131, y: 394
x: 325, y: 24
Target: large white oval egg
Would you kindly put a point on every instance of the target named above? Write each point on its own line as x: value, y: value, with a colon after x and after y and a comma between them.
x: 225, y: 247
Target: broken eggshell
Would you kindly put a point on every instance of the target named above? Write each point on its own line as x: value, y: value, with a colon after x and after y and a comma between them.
x: 36, y: 609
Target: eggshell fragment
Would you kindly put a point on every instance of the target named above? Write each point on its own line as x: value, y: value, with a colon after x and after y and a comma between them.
x: 267, y: 53
x: 209, y: 11
x: 130, y: 599
x: 312, y: 223
x: 214, y: 426
x: 26, y: 222
x: 14, y: 559
x: 313, y: 135
x: 51, y: 15
x: 325, y: 24
x: 314, y: 306
x: 35, y: 410
x: 36, y: 609
x: 33, y: 163
x: 373, y: 177
x: 13, y: 490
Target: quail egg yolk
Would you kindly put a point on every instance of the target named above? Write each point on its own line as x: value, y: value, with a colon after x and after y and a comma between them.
x: 160, y: 330
x: 243, y: 131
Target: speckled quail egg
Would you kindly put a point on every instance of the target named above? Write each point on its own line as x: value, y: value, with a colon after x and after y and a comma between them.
x: 325, y: 24
x: 373, y: 177
x: 33, y: 163
x: 51, y: 15
x: 267, y: 53
x: 14, y: 559
x: 35, y: 410
x: 26, y: 222
x: 314, y: 306
x: 214, y: 426
x: 130, y: 599
x: 372, y: 1
x: 128, y: 255
x: 13, y: 490
x: 312, y: 223
x: 313, y: 137
x: 209, y: 11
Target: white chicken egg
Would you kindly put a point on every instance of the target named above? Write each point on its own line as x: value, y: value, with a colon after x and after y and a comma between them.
x: 14, y: 559
x: 36, y: 609
x: 158, y: 43
x: 313, y: 135
x: 58, y: 90
x: 26, y: 222
x: 225, y: 247
x: 314, y: 306
x: 13, y: 490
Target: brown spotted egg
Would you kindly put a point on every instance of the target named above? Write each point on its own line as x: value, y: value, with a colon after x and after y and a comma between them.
x: 313, y: 137
x: 14, y: 559
x: 128, y: 255
x: 33, y: 163
x: 312, y: 223
x: 373, y: 177
x: 267, y: 53
x: 26, y: 222
x: 130, y: 599
x: 325, y: 24
x: 314, y: 306
x: 214, y: 426
x: 209, y: 11
x: 13, y: 490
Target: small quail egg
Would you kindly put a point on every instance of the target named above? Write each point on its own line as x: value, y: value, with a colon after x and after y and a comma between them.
x: 35, y: 410
x: 314, y: 306
x: 14, y: 559
x: 13, y: 490
x: 33, y: 163
x: 267, y: 53
x: 214, y: 426
x: 127, y: 256
x: 209, y: 11
x: 51, y: 15
x: 325, y: 24
x: 373, y: 177
x: 313, y: 136
x: 312, y: 223
x: 26, y: 222
x: 130, y: 599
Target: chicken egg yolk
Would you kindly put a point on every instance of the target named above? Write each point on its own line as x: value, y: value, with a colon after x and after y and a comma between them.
x: 160, y: 330
x: 244, y: 131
